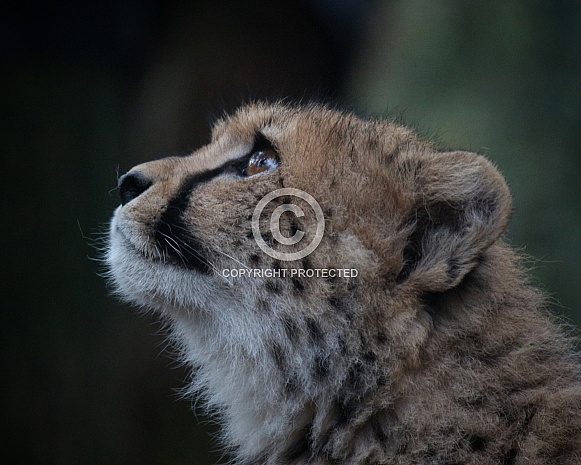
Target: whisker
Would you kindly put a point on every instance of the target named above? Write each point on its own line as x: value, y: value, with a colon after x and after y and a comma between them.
x: 183, y: 245
x: 176, y: 247
x: 234, y: 259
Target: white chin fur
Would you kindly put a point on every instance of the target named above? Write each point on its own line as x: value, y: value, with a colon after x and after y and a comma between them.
x: 151, y: 284
x: 217, y: 331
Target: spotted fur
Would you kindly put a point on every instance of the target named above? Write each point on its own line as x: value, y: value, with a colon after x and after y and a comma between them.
x: 438, y: 352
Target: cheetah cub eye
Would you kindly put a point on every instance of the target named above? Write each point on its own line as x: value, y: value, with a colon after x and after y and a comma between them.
x: 263, y: 158
x: 261, y: 161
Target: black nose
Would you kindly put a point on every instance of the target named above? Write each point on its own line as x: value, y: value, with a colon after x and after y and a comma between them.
x: 132, y: 185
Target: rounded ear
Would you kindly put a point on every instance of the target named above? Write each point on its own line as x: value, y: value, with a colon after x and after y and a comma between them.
x: 462, y: 206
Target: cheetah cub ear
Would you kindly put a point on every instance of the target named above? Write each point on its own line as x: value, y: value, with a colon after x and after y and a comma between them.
x: 461, y: 206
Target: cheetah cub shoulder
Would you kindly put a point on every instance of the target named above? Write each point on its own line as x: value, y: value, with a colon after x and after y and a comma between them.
x: 343, y: 291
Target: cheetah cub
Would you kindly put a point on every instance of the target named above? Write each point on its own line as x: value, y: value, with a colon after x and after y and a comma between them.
x: 406, y: 335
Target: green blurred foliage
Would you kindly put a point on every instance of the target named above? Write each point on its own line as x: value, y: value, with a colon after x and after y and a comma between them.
x: 501, y: 78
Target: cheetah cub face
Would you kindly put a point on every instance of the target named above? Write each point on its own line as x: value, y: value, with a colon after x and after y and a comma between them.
x: 184, y: 221
x: 361, y: 350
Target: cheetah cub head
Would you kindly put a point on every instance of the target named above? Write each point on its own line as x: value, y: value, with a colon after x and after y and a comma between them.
x: 292, y: 349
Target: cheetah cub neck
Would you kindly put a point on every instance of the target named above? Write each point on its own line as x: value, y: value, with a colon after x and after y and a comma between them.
x: 377, y: 319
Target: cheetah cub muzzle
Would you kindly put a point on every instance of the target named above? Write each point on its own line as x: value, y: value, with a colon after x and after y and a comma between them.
x: 409, y: 335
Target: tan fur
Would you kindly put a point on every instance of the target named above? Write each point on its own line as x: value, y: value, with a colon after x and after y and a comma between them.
x: 438, y: 352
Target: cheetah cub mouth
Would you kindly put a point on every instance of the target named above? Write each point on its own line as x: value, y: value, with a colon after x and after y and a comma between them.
x: 405, y: 335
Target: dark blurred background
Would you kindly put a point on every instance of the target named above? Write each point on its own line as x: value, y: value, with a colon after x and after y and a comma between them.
x: 89, y: 89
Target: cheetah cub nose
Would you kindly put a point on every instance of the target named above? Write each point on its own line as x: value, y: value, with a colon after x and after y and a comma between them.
x: 132, y: 185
